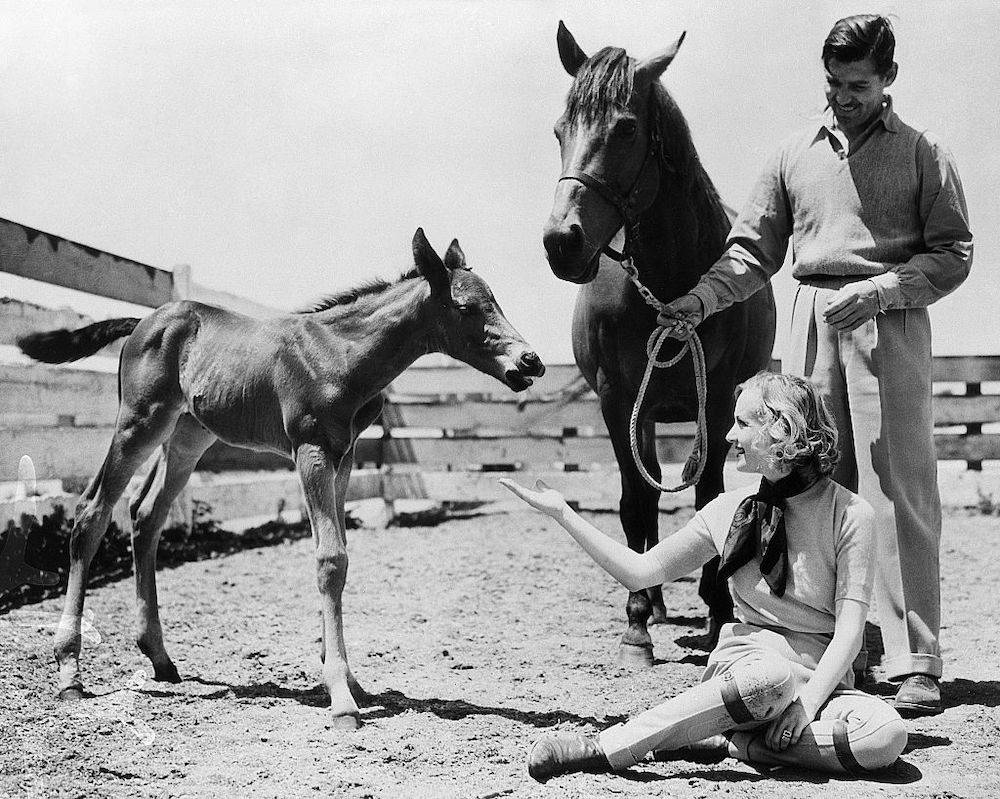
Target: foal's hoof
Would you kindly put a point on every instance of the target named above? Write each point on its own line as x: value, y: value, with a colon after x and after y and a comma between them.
x: 350, y: 722
x: 634, y: 656
x: 72, y: 694
x: 166, y: 673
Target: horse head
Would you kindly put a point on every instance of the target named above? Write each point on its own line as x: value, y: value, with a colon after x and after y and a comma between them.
x: 470, y: 325
x: 609, y: 142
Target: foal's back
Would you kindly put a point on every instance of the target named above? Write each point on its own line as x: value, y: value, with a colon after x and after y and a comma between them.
x: 230, y: 371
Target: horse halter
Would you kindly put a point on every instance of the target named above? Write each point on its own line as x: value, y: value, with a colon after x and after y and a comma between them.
x: 622, y: 203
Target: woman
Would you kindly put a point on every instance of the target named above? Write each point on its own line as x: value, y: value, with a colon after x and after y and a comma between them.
x: 778, y: 688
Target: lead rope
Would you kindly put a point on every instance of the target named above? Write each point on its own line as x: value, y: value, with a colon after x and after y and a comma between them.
x: 695, y: 464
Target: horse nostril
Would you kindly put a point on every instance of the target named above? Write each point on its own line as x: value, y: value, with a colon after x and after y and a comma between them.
x: 563, y: 242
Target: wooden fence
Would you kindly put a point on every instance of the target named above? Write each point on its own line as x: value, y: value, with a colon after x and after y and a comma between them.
x: 446, y: 430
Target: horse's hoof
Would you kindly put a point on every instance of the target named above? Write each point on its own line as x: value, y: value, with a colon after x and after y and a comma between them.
x: 167, y: 673
x: 72, y: 694
x: 635, y: 657
x: 349, y: 722
x: 659, y: 615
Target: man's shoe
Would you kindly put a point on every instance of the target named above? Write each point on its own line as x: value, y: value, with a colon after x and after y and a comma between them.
x: 919, y: 695
x: 553, y: 755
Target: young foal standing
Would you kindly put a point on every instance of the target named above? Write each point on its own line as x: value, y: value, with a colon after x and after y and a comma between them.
x: 303, y: 385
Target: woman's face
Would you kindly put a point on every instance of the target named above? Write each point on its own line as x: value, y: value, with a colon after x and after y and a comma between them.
x: 751, y: 440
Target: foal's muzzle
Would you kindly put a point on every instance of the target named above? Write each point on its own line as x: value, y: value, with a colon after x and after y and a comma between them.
x: 528, y: 365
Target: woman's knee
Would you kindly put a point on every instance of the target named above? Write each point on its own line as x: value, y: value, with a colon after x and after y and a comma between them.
x: 760, y: 689
x: 879, y: 739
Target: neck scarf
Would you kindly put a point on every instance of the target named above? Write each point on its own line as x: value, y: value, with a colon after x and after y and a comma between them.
x: 759, y: 525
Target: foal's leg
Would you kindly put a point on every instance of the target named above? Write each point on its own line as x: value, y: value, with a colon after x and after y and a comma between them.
x: 318, y: 471
x: 137, y: 433
x: 360, y: 695
x: 177, y: 460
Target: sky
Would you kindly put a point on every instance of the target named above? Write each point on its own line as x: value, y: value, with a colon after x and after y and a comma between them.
x: 285, y: 150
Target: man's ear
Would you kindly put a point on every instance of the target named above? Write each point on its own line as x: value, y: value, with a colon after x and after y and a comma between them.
x: 430, y: 265
x: 890, y: 76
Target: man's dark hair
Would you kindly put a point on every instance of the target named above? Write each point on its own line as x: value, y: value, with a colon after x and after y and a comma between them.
x: 861, y: 36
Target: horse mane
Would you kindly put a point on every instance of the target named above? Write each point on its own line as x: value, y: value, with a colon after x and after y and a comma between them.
x: 375, y: 286
x: 603, y: 83
x: 606, y: 82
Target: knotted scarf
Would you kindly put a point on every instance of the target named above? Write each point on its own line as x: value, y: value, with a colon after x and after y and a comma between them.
x: 759, y: 526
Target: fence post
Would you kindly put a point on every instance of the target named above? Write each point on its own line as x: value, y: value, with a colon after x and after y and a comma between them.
x: 973, y: 428
x: 180, y: 288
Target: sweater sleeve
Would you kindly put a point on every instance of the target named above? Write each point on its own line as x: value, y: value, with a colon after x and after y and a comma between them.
x: 756, y: 245
x: 855, y: 552
x: 928, y: 276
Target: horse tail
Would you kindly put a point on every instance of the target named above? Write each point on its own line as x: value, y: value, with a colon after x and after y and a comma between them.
x: 60, y: 346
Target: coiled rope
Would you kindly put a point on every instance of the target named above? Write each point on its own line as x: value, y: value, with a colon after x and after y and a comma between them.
x: 695, y: 464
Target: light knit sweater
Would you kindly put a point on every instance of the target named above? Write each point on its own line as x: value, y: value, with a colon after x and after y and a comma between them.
x: 891, y: 210
x: 831, y: 556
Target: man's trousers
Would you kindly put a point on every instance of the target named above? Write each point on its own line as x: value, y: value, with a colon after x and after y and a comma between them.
x: 877, y: 382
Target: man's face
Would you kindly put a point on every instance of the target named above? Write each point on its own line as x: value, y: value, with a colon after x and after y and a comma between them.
x: 854, y: 90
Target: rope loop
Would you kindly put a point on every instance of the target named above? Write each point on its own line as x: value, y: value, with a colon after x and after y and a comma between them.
x: 699, y: 453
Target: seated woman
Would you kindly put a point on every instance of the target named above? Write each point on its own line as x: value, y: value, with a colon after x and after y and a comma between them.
x: 798, y: 552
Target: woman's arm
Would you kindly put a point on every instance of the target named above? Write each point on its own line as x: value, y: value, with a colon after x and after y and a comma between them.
x: 680, y: 554
x: 848, y: 635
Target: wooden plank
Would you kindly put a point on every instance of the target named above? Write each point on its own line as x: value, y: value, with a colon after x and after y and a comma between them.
x: 465, y: 380
x: 982, y: 447
x: 92, y: 396
x: 51, y: 259
x: 966, y: 368
x: 459, y: 454
x: 442, y: 413
x: 958, y: 409
x: 596, y: 489
x: 57, y: 452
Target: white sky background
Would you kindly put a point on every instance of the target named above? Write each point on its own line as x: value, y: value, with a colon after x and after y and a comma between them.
x: 287, y: 150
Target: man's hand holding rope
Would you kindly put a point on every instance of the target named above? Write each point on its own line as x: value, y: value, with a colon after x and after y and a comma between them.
x: 681, y: 316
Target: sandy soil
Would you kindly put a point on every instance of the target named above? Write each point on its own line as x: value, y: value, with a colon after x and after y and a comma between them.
x: 474, y: 636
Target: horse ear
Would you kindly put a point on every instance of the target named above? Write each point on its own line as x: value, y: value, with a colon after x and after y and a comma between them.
x: 570, y: 54
x: 454, y: 258
x: 429, y: 264
x: 653, y: 67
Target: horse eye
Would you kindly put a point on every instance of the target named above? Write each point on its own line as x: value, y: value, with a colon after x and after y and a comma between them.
x: 466, y: 310
x: 626, y: 128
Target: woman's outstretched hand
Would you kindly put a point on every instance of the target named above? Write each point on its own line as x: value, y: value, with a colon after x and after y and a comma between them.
x: 541, y: 497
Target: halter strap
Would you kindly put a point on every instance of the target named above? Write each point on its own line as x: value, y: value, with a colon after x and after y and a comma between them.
x: 622, y: 203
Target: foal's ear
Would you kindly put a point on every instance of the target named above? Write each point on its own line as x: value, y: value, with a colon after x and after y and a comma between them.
x: 454, y: 258
x: 429, y: 264
x: 654, y: 66
x: 570, y: 54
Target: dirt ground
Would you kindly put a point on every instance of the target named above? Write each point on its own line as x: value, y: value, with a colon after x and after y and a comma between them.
x: 475, y: 637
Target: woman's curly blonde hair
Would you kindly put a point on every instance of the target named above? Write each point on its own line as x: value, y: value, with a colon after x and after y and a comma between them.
x: 797, y: 418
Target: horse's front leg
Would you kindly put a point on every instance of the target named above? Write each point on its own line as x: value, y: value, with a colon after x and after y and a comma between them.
x: 713, y: 591
x: 318, y: 468
x: 638, y: 512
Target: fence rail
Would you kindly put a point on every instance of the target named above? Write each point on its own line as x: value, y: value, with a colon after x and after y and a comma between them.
x: 444, y: 432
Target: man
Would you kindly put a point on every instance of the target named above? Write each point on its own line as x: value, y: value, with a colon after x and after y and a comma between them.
x: 879, y: 229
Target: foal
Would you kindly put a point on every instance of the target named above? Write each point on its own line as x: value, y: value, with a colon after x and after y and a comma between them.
x: 303, y: 385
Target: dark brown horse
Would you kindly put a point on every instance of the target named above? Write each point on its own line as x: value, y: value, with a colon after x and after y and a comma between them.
x: 303, y: 385
x: 629, y: 163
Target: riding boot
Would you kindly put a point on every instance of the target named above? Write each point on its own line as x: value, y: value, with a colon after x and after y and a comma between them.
x: 566, y: 753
